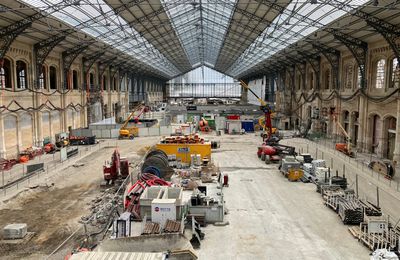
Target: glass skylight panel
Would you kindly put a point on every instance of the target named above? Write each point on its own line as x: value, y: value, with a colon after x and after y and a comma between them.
x: 195, y: 35
x: 288, y: 28
x: 97, y: 19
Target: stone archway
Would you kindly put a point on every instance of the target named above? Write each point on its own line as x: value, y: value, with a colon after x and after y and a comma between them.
x: 389, y: 136
x: 375, y: 137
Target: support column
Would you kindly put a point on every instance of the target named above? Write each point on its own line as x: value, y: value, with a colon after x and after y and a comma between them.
x: 19, y: 134
x: 362, y: 124
x: 396, y: 153
x: 51, y: 131
x: 2, y: 138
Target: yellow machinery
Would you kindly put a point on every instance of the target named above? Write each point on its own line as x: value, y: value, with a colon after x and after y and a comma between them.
x: 185, y: 146
x: 131, y: 131
x: 261, y: 122
x: 294, y: 174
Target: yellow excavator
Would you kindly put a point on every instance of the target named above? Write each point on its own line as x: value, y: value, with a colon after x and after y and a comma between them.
x: 131, y: 132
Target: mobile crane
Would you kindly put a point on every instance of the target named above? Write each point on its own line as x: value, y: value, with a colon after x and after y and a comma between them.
x: 344, y: 147
x: 266, y: 121
x: 270, y: 150
x: 132, y: 131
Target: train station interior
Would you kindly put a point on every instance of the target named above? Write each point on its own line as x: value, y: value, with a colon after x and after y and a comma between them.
x: 156, y: 129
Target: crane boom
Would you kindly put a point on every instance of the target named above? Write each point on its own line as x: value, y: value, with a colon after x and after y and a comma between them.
x: 264, y: 107
x: 131, y: 115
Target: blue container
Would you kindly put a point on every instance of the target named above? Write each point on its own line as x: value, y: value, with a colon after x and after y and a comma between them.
x: 248, y: 126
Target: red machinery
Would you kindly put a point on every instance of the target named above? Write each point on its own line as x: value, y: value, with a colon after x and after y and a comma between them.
x: 49, y: 148
x: 116, y: 168
x: 203, y: 125
x: 273, y: 153
x: 6, y: 165
x: 267, y: 114
x: 133, y: 193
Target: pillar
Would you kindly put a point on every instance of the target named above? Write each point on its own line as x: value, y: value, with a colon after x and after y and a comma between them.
x: 51, y: 131
x: 396, y: 153
x: 362, y: 124
x: 19, y: 134
x: 2, y: 138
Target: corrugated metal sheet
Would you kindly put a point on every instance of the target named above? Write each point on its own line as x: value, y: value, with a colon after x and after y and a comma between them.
x: 117, y: 256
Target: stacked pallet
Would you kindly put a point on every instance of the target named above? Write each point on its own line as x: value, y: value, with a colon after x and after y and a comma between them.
x: 370, y: 209
x: 172, y: 226
x: 350, y: 211
x: 151, y: 228
x: 341, y: 181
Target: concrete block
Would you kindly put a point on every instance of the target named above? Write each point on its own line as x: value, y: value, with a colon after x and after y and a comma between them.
x: 97, y: 133
x: 15, y: 231
x: 106, y: 133
x: 154, y: 131
x: 165, y: 130
x: 143, y: 132
x: 114, y: 133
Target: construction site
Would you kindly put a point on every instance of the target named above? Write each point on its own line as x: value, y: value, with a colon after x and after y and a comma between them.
x: 199, y: 129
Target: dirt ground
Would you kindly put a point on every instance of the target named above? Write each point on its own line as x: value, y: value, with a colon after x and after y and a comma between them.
x: 53, y: 209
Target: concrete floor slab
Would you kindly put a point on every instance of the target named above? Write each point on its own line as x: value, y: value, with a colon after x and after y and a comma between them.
x: 270, y: 217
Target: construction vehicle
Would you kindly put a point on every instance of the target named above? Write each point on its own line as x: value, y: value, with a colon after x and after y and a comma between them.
x: 132, y: 131
x: 274, y: 152
x: 264, y: 134
x: 116, y: 168
x: 344, y: 147
x: 62, y: 140
x: 268, y: 138
x: 203, y: 125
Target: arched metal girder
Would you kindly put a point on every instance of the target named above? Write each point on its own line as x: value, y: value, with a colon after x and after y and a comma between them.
x: 9, y: 33
x: 333, y: 57
x: 104, y: 65
x: 68, y: 58
x: 42, y: 50
x: 390, y: 32
x: 358, y: 48
x: 315, y: 62
x: 87, y: 65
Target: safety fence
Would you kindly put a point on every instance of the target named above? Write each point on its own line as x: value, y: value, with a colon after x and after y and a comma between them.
x: 368, y: 184
x: 19, y: 177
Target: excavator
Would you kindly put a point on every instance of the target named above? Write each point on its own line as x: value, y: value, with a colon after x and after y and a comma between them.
x: 131, y: 132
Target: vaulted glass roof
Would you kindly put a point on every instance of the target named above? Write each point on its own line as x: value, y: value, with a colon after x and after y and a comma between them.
x: 235, y: 37
x: 298, y: 20
x: 201, y: 26
x: 99, y: 20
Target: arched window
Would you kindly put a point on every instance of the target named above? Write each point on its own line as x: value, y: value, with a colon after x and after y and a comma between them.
x: 74, y: 79
x: 311, y: 75
x: 42, y: 78
x: 395, y: 76
x: 53, y: 77
x: 104, y: 82
x: 5, y: 75
x: 21, y: 74
x: 380, y: 74
x: 91, y: 81
x: 348, y: 81
x: 327, y: 78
